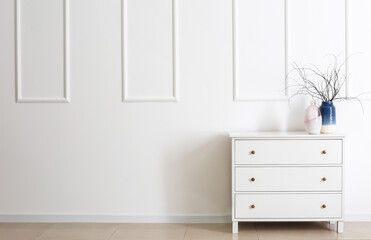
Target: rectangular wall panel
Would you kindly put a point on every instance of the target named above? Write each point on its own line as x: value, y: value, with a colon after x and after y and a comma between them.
x: 316, y: 31
x: 149, y: 50
x: 259, y: 50
x: 359, y: 47
x: 42, y: 51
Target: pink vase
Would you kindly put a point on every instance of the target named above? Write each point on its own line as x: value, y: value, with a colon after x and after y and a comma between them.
x: 313, y: 119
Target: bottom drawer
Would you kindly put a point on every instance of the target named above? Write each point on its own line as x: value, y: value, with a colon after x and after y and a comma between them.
x: 272, y: 206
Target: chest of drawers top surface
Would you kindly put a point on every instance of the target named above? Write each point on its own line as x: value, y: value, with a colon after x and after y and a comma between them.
x: 284, y: 135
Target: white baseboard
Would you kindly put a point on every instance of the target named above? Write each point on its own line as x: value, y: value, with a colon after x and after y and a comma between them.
x: 116, y: 218
x: 350, y: 217
x: 357, y: 217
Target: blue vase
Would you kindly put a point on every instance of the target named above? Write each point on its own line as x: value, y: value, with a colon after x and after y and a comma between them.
x: 328, y: 117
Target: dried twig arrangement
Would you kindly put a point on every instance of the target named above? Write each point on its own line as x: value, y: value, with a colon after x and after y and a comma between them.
x: 324, y: 86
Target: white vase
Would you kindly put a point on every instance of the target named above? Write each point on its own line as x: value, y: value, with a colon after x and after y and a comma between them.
x: 313, y: 119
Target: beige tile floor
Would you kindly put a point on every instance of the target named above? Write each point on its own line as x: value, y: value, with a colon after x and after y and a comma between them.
x: 117, y: 231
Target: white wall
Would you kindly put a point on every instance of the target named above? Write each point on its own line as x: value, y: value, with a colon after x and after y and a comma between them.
x: 151, y: 155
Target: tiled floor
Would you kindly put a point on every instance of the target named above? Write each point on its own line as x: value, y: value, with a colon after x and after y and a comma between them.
x: 250, y: 231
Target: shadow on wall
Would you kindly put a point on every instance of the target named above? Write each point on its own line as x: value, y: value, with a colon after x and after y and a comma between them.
x: 281, y: 116
x: 198, y: 181
x: 273, y: 117
x: 297, y: 107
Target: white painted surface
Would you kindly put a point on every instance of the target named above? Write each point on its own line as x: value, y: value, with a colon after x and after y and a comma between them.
x: 234, y: 227
x: 359, y: 39
x: 259, y: 41
x: 274, y: 151
x: 340, y: 227
x: 288, y: 179
x: 94, y: 155
x: 275, y: 191
x: 149, y: 50
x: 313, y: 32
x: 115, y: 218
x: 284, y: 135
x: 42, y: 51
x: 281, y: 206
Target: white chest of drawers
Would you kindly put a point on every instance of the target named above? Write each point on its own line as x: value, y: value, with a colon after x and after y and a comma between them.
x: 289, y: 176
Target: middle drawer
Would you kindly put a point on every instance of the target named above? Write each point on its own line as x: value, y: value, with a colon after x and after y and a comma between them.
x: 266, y: 179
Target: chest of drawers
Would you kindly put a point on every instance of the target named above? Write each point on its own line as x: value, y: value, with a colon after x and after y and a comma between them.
x: 289, y: 176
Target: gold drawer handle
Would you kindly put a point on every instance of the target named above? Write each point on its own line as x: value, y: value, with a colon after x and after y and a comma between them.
x: 252, y: 179
x: 252, y: 206
x: 252, y: 152
x: 324, y: 206
x: 324, y: 179
x: 324, y: 152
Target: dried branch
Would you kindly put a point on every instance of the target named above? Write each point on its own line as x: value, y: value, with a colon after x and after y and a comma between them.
x: 321, y: 85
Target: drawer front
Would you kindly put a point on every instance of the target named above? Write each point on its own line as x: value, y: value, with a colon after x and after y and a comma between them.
x: 288, y: 179
x: 272, y: 206
x: 288, y: 152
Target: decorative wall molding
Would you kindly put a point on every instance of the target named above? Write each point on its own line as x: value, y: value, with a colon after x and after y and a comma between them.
x: 18, y: 63
x: 116, y: 218
x: 287, y: 90
x: 348, y: 85
x: 346, y: 13
x: 125, y: 84
x: 237, y: 98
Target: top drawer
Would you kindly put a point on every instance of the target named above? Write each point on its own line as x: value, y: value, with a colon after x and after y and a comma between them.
x: 288, y: 151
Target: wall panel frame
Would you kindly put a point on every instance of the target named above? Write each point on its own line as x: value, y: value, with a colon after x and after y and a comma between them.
x: 125, y: 76
x: 236, y: 80
x: 18, y: 57
x: 350, y: 55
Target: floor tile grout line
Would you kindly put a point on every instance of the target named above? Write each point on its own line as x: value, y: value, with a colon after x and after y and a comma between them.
x: 114, y: 231
x: 44, y: 229
x: 256, y: 230
x: 47, y: 229
x: 185, y: 232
